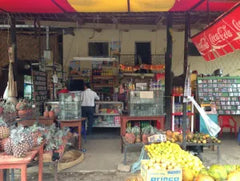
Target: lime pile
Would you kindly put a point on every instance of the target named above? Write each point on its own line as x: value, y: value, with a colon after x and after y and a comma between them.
x: 173, y: 153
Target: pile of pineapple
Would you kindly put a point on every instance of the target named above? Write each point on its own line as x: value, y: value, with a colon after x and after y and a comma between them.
x: 18, y: 141
x: 4, y: 133
x: 136, y: 134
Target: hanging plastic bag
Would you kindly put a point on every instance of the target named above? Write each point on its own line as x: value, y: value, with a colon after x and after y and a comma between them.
x: 5, y: 94
x: 211, y: 126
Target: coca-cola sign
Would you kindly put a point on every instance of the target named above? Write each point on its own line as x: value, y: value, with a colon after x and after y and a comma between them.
x: 220, y: 38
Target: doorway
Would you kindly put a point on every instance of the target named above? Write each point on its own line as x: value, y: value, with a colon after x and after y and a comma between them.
x: 143, y: 53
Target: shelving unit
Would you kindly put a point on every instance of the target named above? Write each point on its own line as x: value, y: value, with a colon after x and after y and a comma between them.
x: 104, y: 77
x: 223, y: 91
x: 179, y: 111
x: 107, y: 114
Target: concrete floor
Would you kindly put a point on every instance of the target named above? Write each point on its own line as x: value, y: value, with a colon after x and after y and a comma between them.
x: 103, y: 155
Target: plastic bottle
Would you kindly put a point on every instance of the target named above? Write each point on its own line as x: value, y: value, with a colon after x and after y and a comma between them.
x: 150, y: 84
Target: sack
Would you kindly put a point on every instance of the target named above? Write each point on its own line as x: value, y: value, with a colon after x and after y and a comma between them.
x: 5, y: 95
x: 211, y: 126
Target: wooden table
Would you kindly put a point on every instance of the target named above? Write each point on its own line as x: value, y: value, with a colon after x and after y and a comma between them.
x: 159, y: 120
x: 73, y: 123
x: 11, y: 162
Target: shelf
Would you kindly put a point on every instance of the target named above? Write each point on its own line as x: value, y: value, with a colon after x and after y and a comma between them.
x: 179, y: 95
x: 102, y: 85
x: 181, y: 114
x: 78, y: 77
x: 106, y: 114
x: 99, y: 125
x: 95, y: 59
x: 138, y: 74
x: 108, y: 102
x: 103, y: 77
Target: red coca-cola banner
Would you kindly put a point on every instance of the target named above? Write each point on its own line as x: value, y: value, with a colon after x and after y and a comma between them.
x: 221, y: 37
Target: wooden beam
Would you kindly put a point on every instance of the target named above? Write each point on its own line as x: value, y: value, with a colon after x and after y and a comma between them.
x: 185, y: 64
x: 168, y: 72
x: 14, y: 45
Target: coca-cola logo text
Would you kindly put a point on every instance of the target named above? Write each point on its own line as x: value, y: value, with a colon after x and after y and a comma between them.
x: 222, y: 34
x: 236, y: 24
x: 202, y: 45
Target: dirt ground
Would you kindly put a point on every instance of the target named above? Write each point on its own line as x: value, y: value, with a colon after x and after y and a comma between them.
x: 229, y: 152
x: 95, y: 176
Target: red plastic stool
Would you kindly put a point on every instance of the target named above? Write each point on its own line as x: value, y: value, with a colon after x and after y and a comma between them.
x: 227, y: 122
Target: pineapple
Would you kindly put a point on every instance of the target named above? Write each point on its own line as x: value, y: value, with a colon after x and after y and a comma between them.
x: 129, y: 136
x: 146, y: 133
x: 4, y: 130
x: 8, y: 147
x: 20, y: 145
x: 136, y: 132
x: 26, y: 134
x: 2, y: 143
x: 19, y: 150
x: 37, y: 133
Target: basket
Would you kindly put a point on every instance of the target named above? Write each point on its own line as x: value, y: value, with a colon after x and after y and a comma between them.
x: 47, y: 156
x: 70, y: 159
x: 134, y: 177
x: 45, y: 121
x: 27, y: 122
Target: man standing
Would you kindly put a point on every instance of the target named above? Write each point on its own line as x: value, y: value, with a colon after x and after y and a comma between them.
x: 88, y: 98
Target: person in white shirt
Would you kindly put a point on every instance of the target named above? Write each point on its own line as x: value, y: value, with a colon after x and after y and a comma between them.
x: 88, y: 98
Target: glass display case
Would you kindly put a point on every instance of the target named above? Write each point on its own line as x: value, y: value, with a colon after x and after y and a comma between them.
x: 145, y: 103
x: 107, y: 113
x: 70, y: 106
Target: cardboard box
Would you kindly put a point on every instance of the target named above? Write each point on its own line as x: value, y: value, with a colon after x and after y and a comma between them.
x: 160, y: 175
x: 157, y: 138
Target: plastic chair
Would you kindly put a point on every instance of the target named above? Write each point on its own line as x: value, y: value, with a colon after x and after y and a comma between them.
x: 227, y: 122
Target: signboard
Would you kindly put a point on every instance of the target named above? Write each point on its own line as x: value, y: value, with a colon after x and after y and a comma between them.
x: 40, y: 86
x: 220, y: 38
x: 146, y: 94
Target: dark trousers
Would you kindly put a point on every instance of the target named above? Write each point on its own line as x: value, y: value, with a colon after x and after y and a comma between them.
x: 88, y: 113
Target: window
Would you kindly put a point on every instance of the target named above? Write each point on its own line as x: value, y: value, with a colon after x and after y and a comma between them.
x: 143, y: 53
x: 98, y: 49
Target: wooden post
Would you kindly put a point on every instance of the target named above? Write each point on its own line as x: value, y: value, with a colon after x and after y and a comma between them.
x: 185, y: 64
x: 168, y: 72
x: 14, y: 45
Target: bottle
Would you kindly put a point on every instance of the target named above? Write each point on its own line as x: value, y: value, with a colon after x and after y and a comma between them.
x: 150, y: 85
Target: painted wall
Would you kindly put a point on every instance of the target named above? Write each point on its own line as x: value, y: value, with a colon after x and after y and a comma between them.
x: 78, y: 46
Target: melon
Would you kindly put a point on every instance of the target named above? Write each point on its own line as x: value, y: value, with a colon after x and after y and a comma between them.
x: 230, y: 168
x: 187, y: 174
x: 218, y: 172
x: 234, y: 176
x: 202, y: 177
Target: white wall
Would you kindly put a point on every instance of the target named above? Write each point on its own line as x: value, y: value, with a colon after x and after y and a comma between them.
x: 78, y: 46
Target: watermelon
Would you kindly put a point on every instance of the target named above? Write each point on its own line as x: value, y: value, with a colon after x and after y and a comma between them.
x: 218, y: 172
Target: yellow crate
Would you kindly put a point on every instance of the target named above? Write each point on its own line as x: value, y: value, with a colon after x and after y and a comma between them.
x: 160, y: 175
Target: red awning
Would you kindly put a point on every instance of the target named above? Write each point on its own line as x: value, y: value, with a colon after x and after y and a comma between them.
x: 60, y: 6
x: 221, y: 37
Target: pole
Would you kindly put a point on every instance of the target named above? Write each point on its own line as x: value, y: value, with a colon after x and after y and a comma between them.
x: 185, y: 64
x: 168, y: 72
x: 14, y: 45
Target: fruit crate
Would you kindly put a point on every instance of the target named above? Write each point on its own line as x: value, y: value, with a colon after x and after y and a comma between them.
x: 156, y: 174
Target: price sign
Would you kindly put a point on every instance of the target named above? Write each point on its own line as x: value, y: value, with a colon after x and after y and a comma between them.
x: 40, y: 86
